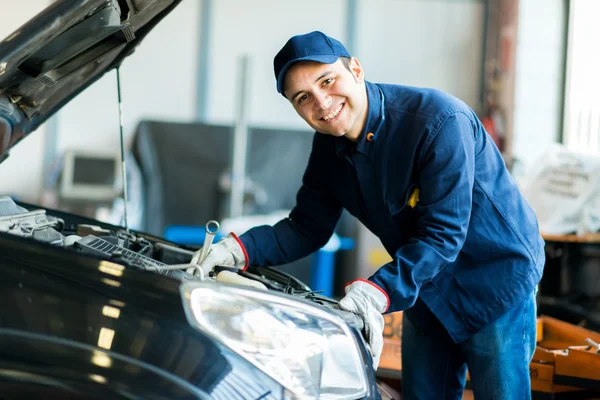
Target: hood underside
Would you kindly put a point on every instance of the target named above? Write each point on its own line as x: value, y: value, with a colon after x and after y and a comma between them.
x: 62, y: 51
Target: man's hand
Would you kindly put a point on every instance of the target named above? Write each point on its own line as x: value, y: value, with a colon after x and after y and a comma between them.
x: 368, y: 301
x: 228, y: 252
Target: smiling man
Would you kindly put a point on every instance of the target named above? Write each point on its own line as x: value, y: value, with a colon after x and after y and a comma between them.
x: 417, y: 168
x: 328, y: 96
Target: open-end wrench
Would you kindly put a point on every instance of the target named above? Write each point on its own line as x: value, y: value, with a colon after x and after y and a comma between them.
x: 212, y: 227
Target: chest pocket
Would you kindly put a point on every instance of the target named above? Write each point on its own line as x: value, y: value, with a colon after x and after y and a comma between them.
x: 406, y: 201
x: 403, y: 212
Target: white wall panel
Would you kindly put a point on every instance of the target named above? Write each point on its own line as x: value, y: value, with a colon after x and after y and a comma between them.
x: 158, y: 81
x: 582, y: 108
x: 539, y: 78
x: 259, y: 29
x: 434, y: 43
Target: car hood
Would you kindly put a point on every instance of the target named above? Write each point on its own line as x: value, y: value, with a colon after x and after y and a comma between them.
x: 63, y: 50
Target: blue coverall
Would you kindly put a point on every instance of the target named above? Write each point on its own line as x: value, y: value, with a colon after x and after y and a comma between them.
x: 469, y: 250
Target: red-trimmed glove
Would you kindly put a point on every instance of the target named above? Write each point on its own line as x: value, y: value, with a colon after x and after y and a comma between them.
x: 227, y: 252
x: 368, y: 301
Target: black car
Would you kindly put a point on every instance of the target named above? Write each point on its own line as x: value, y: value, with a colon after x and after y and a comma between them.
x: 92, y: 310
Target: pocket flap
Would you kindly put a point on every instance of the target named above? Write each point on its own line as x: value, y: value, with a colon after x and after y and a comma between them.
x: 410, y: 199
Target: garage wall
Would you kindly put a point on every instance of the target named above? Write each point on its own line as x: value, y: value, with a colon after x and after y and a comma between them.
x: 539, y: 76
x: 425, y: 43
x: 433, y: 43
x: 258, y: 29
x: 582, y: 109
x: 158, y: 81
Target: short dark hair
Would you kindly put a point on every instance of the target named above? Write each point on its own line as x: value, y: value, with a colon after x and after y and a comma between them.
x: 346, y: 62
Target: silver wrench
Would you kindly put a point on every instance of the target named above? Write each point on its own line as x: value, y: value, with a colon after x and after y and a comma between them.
x: 212, y: 227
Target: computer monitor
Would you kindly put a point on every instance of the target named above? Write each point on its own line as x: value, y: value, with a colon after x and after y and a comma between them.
x: 90, y: 175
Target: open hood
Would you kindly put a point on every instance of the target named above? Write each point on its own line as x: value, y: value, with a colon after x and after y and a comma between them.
x: 62, y: 51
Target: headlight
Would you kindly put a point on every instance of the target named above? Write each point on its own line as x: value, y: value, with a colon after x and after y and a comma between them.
x: 310, y: 352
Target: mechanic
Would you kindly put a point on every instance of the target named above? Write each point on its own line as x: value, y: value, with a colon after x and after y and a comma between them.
x: 417, y: 168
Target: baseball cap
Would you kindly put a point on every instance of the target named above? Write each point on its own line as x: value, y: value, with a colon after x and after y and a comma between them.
x: 312, y: 46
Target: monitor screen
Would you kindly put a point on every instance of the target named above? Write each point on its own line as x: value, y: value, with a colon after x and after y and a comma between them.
x: 89, y: 176
x: 94, y: 171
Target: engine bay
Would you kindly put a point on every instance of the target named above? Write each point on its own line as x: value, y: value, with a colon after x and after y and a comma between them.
x: 137, y: 250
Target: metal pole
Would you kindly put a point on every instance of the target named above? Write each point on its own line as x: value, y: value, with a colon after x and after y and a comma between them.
x: 206, y: 17
x: 565, y: 125
x: 483, y: 78
x: 240, y: 139
x: 351, y: 24
x: 122, y: 140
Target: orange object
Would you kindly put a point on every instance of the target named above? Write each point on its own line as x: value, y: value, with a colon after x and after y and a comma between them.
x: 392, y: 338
x: 370, y: 136
x: 587, y: 238
x: 562, y: 362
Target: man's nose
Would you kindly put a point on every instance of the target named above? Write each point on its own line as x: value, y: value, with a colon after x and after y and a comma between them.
x: 322, y: 100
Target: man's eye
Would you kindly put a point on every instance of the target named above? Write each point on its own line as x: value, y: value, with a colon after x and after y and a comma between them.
x: 302, y: 98
x: 327, y: 81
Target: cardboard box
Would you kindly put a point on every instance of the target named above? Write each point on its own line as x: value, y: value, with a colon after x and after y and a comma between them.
x: 392, y: 338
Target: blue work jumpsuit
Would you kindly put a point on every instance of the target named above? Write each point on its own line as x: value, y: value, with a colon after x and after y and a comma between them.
x: 468, y: 250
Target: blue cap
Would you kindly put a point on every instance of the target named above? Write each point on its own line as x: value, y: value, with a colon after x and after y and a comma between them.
x: 313, y: 46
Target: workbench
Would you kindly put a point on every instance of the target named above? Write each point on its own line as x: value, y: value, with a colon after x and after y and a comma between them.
x: 570, y: 285
x: 564, y: 254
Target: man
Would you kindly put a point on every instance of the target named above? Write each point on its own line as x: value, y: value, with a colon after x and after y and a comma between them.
x: 416, y: 167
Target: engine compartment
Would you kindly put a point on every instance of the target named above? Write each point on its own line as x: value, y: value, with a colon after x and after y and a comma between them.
x: 137, y: 250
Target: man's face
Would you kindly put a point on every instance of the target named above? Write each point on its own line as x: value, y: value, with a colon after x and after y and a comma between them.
x: 329, y: 97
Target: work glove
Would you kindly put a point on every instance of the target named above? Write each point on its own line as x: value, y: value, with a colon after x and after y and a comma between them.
x: 228, y: 252
x: 368, y: 301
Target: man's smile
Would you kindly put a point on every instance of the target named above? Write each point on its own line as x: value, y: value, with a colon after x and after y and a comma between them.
x: 333, y: 114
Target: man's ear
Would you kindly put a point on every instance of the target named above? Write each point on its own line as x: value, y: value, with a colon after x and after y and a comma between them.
x: 357, y: 69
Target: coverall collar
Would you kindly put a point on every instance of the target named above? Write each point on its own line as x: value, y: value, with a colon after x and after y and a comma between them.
x: 369, y: 133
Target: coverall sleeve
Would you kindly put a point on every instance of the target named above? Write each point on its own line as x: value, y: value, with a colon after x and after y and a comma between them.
x: 446, y: 176
x: 310, y: 224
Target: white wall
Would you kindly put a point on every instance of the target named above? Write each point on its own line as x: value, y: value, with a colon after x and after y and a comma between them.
x: 158, y: 81
x: 434, y: 43
x: 539, y: 73
x: 259, y: 29
x: 21, y: 173
x: 582, y: 109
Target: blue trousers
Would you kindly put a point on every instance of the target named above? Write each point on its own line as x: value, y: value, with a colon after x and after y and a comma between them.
x: 497, y: 357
